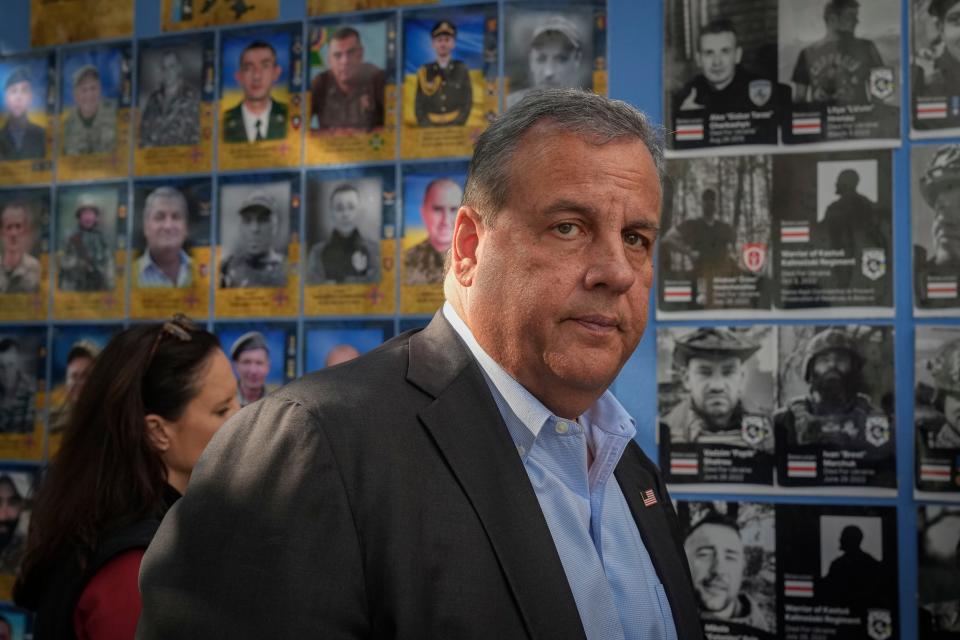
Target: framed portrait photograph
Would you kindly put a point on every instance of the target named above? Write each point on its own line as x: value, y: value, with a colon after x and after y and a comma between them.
x: 24, y: 253
x: 174, y: 103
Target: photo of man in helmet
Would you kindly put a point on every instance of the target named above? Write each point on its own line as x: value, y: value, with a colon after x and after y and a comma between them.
x: 936, y: 227
x: 839, y: 429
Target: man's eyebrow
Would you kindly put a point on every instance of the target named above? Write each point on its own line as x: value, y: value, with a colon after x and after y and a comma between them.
x: 574, y: 206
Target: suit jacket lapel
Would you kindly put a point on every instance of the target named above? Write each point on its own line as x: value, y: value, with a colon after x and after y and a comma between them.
x: 467, y: 427
x: 660, y: 538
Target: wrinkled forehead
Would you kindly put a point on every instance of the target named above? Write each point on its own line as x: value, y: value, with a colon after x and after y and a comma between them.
x: 12, y: 213
x: 166, y: 204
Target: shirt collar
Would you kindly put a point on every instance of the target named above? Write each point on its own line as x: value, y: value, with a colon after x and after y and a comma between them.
x: 147, y: 264
x: 250, y: 120
x: 606, y: 415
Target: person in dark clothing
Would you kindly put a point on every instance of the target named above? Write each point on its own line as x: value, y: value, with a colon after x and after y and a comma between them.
x: 854, y: 575
x: 154, y: 398
x: 20, y: 139
x: 936, y: 69
x: 723, y: 84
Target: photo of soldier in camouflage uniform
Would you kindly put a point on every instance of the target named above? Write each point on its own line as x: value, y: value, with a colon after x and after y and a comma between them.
x: 423, y: 262
x: 840, y: 429
x: 87, y: 262
x: 18, y: 385
x: 937, y: 408
x: 712, y: 365
x: 715, y: 398
x: 171, y: 113
x: 91, y: 126
x: 936, y: 226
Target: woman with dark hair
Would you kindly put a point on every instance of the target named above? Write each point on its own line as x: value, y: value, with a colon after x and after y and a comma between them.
x: 153, y: 399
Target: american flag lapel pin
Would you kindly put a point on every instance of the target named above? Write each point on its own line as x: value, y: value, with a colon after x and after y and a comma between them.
x: 649, y: 498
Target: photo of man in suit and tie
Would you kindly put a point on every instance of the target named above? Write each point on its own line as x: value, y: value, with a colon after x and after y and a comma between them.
x: 476, y: 478
x: 258, y: 116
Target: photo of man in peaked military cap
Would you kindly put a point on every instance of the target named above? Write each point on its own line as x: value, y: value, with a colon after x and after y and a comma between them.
x: 91, y: 127
x: 936, y: 226
x: 86, y: 263
x: 258, y: 116
x: 707, y: 410
x: 20, y: 139
x: 255, y: 262
x: 251, y: 363
x: 836, y: 432
x: 444, y: 93
x: 937, y: 408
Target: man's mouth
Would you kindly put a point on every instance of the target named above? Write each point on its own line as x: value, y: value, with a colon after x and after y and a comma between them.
x: 598, y: 323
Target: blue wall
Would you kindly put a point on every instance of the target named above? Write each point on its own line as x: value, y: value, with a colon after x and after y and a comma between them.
x: 635, y: 57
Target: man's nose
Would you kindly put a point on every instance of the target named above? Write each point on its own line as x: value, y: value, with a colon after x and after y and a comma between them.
x: 610, y: 267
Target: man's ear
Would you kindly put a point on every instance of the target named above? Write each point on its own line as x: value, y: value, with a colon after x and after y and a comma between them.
x: 739, y: 55
x: 158, y: 432
x: 277, y: 70
x: 468, y: 231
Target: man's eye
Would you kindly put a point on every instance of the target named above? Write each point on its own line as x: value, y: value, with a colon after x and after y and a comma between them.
x: 634, y: 239
x: 565, y: 228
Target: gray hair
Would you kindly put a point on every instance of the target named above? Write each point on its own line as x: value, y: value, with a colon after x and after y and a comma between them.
x: 165, y: 193
x: 594, y: 118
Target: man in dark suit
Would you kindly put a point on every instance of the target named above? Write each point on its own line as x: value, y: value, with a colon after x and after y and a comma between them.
x: 258, y: 116
x: 475, y: 479
x: 20, y: 139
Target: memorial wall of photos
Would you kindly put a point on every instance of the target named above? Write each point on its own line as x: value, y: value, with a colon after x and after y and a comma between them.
x: 294, y: 183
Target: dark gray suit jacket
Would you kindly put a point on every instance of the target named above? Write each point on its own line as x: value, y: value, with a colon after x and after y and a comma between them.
x: 382, y: 498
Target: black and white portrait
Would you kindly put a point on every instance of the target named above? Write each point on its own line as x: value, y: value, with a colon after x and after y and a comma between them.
x: 716, y: 393
x: 715, y: 245
x: 935, y: 213
x: 720, y: 84
x: 343, y: 230
x: 935, y: 67
x: 19, y: 368
x: 834, y: 425
x: 841, y: 59
x: 548, y: 47
x: 731, y: 550
x: 939, y: 570
x: 170, y: 92
x: 833, y: 231
x: 254, y: 234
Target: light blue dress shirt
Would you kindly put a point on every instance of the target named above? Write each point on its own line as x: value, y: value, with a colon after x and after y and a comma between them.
x: 614, y: 583
x: 149, y: 275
